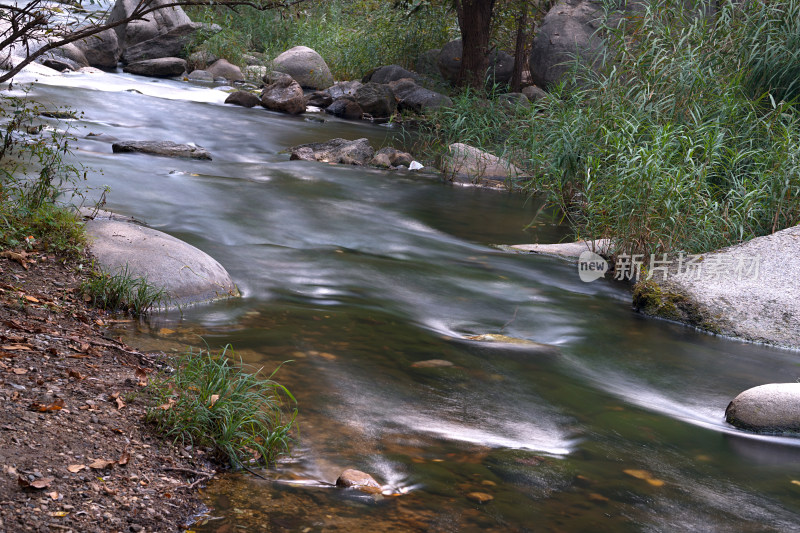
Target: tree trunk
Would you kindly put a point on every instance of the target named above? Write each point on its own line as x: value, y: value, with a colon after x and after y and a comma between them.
x: 521, y: 45
x: 474, y: 20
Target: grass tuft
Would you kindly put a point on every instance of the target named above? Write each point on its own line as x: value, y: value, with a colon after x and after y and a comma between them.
x: 122, y: 292
x: 209, y: 402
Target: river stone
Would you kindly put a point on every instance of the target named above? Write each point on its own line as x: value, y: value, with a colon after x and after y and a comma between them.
x: 511, y: 101
x: 200, y: 75
x: 391, y: 157
x: 341, y: 151
x: 345, y: 107
x: 376, y: 100
x: 533, y: 93
x: 243, y: 98
x: 165, y: 148
x: 156, y: 23
x: 187, y: 274
x: 285, y: 95
x: 358, y: 480
x: 343, y: 88
x: 319, y: 99
x: 418, y: 99
x: 221, y: 68
x: 565, y: 250
x: 432, y: 363
x: 389, y: 73
x: 200, y: 60
x: 767, y: 408
x: 480, y: 497
x: 426, y: 63
x: 164, y: 67
x: 171, y: 44
x: 101, y: 50
x: 306, y: 66
x: 466, y: 163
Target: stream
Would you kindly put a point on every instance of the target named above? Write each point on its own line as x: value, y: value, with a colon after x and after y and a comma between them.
x: 603, y: 420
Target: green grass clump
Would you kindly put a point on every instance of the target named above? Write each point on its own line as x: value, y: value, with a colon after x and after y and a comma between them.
x: 688, y: 137
x: 209, y: 402
x: 122, y: 292
x: 353, y: 36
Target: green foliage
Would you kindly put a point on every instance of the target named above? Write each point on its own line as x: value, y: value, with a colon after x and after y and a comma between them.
x: 210, y: 402
x: 37, y: 184
x: 122, y: 292
x: 353, y: 36
x: 677, y: 144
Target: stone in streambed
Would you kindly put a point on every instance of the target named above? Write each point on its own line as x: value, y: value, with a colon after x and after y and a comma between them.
x: 356, y: 479
x: 165, y: 148
x: 243, y: 98
x: 345, y: 107
x: 342, y: 151
x: 306, y: 66
x: 391, y: 157
x: 772, y: 408
x: 165, y: 67
x: 187, y: 274
x: 480, y: 497
x: 285, y: 95
x: 432, y: 363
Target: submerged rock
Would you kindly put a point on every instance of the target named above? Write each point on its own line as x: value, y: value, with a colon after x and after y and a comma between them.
x: 358, y: 480
x: 357, y: 152
x: 165, y: 67
x: 432, y: 363
x: 243, y: 98
x: 186, y: 274
x: 772, y: 408
x: 165, y: 148
x: 345, y: 107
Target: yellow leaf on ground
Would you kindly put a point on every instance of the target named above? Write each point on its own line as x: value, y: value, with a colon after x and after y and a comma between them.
x: 644, y: 475
x: 59, y: 514
x: 213, y: 399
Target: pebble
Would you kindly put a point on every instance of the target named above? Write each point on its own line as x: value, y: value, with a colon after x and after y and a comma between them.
x: 480, y: 497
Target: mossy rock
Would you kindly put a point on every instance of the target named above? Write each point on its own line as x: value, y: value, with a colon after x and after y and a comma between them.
x: 665, y: 301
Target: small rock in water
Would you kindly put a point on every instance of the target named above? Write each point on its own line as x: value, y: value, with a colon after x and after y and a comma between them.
x: 358, y: 480
x: 165, y: 148
x: 480, y: 497
x: 432, y: 363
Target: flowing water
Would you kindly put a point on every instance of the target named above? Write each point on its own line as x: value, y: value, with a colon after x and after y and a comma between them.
x: 602, y: 421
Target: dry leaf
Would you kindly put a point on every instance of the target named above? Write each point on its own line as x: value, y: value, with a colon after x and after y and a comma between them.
x: 645, y: 476
x: 100, y: 464
x: 213, y: 399
x: 21, y: 258
x: 124, y: 458
x: 141, y: 376
x: 59, y: 514
x: 30, y: 298
x: 57, y: 405
x: 19, y: 371
x: 42, y: 483
x: 120, y: 403
x: 53, y: 495
x: 74, y: 374
x: 76, y: 468
x: 167, y: 406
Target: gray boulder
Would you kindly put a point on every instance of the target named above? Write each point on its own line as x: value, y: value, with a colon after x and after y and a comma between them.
x: 465, y: 163
x: 200, y: 60
x: 221, y: 68
x: 243, y: 98
x: 511, y: 101
x: 170, y: 44
x: 285, y: 95
x: 500, y: 70
x: 533, y: 93
x: 568, y: 31
x: 165, y: 148
x: 390, y: 157
x: 357, y: 152
x: 156, y: 23
x: 390, y: 73
x: 187, y: 274
x: 343, y: 88
x: 306, y: 66
x: 101, y: 50
x: 773, y: 408
x: 418, y: 99
x: 69, y: 54
x: 345, y: 107
x: 58, y: 63
x: 164, y: 67
x: 200, y: 75
x: 427, y: 63
x: 376, y: 99
x: 319, y: 99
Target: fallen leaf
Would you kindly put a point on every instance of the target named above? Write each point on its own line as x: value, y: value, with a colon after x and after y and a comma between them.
x: 166, y: 331
x: 213, y: 399
x: 19, y: 371
x: 100, y: 464
x: 167, y: 406
x: 41, y: 483
x: 57, y: 405
x: 141, y: 376
x: 645, y: 476
x: 53, y: 495
x: 76, y: 468
x: 74, y: 374
x: 21, y: 257
x: 124, y: 458
x: 30, y: 298
x: 120, y: 403
x: 59, y: 514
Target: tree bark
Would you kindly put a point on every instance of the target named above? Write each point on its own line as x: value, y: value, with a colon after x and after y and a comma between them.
x: 474, y: 20
x: 521, y: 46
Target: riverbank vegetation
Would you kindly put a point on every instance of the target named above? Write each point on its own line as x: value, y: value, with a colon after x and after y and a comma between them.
x: 686, y: 137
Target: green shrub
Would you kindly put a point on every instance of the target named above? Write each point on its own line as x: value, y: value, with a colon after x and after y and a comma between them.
x: 210, y: 402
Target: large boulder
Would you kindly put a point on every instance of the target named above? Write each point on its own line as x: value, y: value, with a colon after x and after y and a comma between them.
x: 152, y: 25
x: 285, y: 95
x: 319, y: 99
x: 389, y: 73
x: 221, y: 68
x: 170, y: 44
x: 71, y: 53
x: 465, y: 163
x: 773, y: 408
x: 357, y: 152
x: 243, y: 98
x: 343, y: 88
x: 418, y: 99
x: 101, y: 50
x: 165, y: 148
x: 164, y: 67
x: 427, y: 63
x: 376, y: 99
x: 533, y: 93
x: 186, y: 274
x: 345, y: 107
x: 500, y: 70
x: 201, y: 59
x: 306, y: 66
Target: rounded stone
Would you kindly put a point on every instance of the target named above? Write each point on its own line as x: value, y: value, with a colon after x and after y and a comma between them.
x: 187, y: 274
x: 480, y: 497
x: 774, y: 407
x: 306, y: 66
x: 356, y: 479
